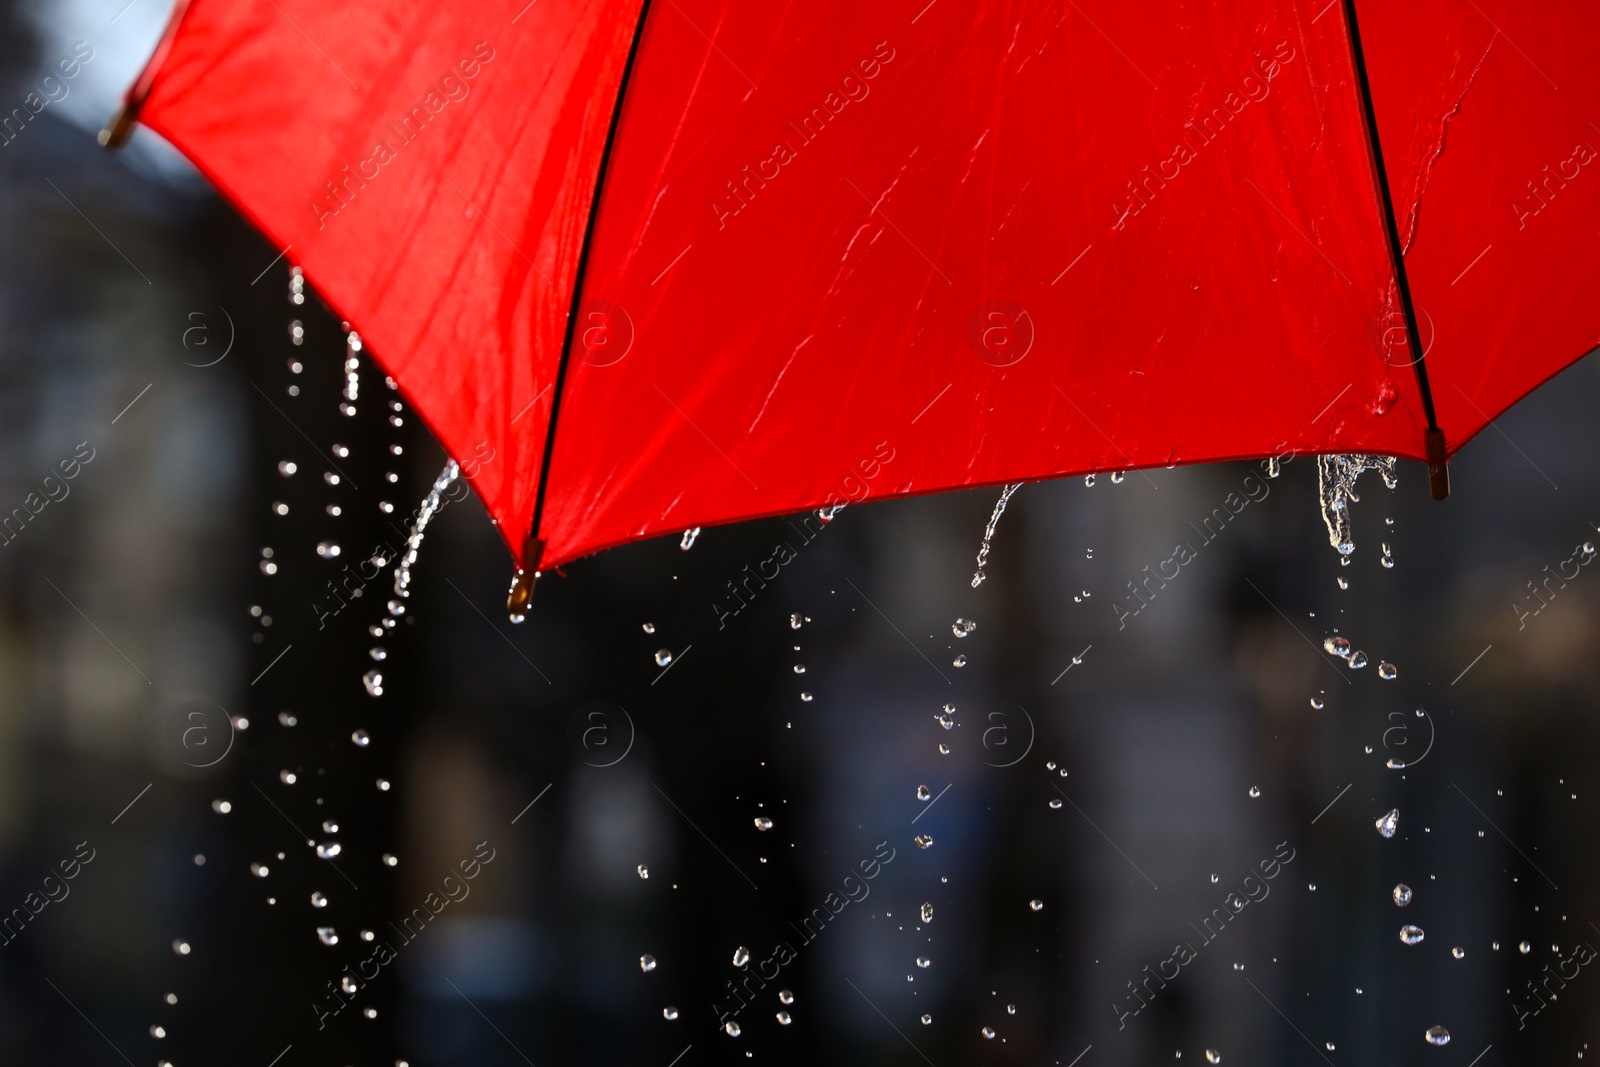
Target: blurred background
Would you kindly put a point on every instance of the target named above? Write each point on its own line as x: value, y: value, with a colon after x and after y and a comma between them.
x: 1129, y: 817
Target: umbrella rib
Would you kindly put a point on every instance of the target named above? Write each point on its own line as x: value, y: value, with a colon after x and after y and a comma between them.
x: 1397, y: 260
x: 578, y: 278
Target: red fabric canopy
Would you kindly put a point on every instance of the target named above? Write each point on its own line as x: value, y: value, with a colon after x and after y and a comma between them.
x: 845, y: 251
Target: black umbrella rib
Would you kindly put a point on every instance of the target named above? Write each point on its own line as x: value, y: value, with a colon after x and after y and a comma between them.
x: 1438, y: 478
x: 577, y: 285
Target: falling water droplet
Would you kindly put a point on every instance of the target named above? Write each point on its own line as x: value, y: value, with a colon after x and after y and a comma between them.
x: 1336, y: 482
x: 663, y: 657
x: 1254, y: 792
x: 799, y: 668
x: 1117, y: 477
x: 1035, y: 904
x: 805, y: 698
x: 988, y: 531
x: 389, y: 860
x: 647, y: 963
x: 763, y: 823
x: 741, y: 956
x: 1386, y: 671
x: 963, y: 627
x: 927, y: 913
x: 287, y: 467
x: 327, y: 935
x: 796, y: 621
x: 1358, y: 659
x: 1387, y: 824
x: 1524, y: 948
x: 378, y: 653
x: 328, y: 850
x: 373, y: 681
x: 318, y: 900
x: 688, y: 539
x: 259, y: 870
x: 1316, y: 703
x: 1338, y: 646
x: 1388, y: 557
x: 669, y: 1013
x: 327, y: 549
x: 785, y: 997
x: 959, y: 661
x: 1437, y: 1035
x: 1402, y: 895
x: 988, y: 1031
x: 430, y: 507
x: 1055, y: 803
x: 924, y: 962
x: 1213, y: 1056
x: 924, y: 793
x: 923, y: 841
x: 287, y: 777
x: 361, y: 739
x: 1458, y: 952
x: 927, y: 1020
x: 731, y: 1028
x: 649, y: 627
x: 221, y: 807
x: 784, y: 1018
x: 1411, y: 935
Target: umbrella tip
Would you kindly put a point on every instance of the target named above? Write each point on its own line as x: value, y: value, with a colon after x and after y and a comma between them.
x: 118, y: 129
x: 1438, y: 464
x: 521, y: 595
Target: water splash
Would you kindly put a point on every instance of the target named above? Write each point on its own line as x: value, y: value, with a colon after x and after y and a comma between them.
x: 988, y: 531
x: 430, y: 507
x: 688, y: 538
x: 1336, y: 483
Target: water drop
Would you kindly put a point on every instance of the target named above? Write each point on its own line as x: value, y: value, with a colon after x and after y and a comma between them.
x: 259, y: 870
x: 741, y: 956
x: 221, y: 807
x: 329, y: 826
x: 287, y: 468
x: 644, y: 872
x: 924, y: 962
x: 923, y: 841
x: 378, y: 653
x: 944, y: 749
x: 796, y: 621
x: 1337, y: 646
x: 731, y: 1028
x: 373, y: 681
x: 924, y: 793
x: 1035, y: 904
x: 988, y: 1031
x: 1358, y: 660
x: 1402, y: 895
x: 649, y: 627
x: 1344, y: 583
x: 1117, y: 477
x: 1387, y: 824
x: 805, y: 698
x: 927, y: 1020
x: 1055, y: 803
x: 688, y: 539
x: 1254, y: 792
x: 1437, y: 1035
x: 389, y: 860
x: 1316, y: 703
x: 1411, y: 935
x: 988, y: 531
x: 328, y: 849
x: 1386, y: 671
x: 763, y: 823
x: 361, y: 739
x: 647, y: 963
x: 287, y: 777
x: 927, y: 913
x: 784, y: 1018
x: 959, y: 661
x: 963, y: 627
x: 327, y: 549
x: 1524, y: 948
x: 318, y: 900
x: 1336, y: 481
x: 1388, y: 558
x: 158, y: 1032
x: 327, y: 935
x: 785, y: 997
x: 669, y: 1013
x: 799, y: 668
x: 1213, y: 1056
x: 1458, y: 952
x: 663, y: 657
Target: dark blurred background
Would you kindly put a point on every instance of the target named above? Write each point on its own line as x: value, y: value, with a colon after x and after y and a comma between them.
x: 216, y: 847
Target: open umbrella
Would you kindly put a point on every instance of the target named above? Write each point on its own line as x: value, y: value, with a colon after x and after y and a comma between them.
x: 659, y: 265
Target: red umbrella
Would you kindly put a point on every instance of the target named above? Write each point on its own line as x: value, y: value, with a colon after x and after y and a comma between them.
x: 687, y: 262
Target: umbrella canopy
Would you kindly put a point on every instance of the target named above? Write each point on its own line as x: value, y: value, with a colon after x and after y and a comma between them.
x: 656, y: 266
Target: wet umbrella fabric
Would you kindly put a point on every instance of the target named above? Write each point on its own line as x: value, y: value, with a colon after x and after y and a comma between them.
x: 654, y: 266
